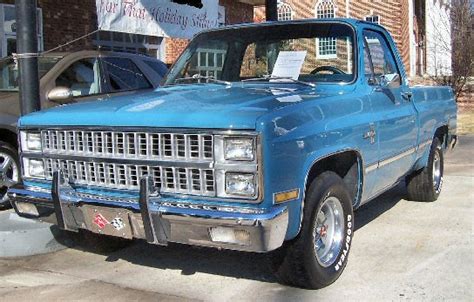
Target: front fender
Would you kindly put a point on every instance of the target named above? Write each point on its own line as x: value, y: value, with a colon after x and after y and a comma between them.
x: 296, y: 207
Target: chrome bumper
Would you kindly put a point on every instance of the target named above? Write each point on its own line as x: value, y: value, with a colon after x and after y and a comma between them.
x: 152, y: 218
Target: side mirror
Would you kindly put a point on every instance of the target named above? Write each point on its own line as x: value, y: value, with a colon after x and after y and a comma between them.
x: 390, y: 80
x: 60, y: 95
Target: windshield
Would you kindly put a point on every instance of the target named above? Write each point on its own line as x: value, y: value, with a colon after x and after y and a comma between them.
x: 9, y: 71
x: 318, y: 52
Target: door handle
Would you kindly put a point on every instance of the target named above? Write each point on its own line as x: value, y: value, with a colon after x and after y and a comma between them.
x: 407, y: 95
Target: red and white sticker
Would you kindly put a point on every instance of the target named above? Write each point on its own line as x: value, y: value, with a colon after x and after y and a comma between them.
x: 100, y: 221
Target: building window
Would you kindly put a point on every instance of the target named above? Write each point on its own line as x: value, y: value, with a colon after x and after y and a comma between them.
x: 8, y: 30
x: 285, y: 13
x: 373, y: 19
x: 326, y: 47
x: 133, y: 43
x: 210, y: 62
x: 325, y: 9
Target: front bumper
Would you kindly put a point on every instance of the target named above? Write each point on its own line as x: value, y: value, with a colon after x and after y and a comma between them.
x: 153, y: 218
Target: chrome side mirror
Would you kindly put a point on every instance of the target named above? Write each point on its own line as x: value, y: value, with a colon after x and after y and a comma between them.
x: 60, y: 95
x: 390, y: 80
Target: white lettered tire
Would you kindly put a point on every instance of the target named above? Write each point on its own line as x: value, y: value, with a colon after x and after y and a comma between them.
x: 319, y: 254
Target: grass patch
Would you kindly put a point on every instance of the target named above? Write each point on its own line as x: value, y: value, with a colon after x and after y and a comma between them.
x: 465, y: 120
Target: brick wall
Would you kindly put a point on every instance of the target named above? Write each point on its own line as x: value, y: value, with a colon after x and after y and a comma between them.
x: 393, y: 16
x: 66, y: 20
x: 174, y: 47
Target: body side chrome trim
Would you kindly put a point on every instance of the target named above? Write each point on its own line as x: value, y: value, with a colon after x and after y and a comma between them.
x: 387, y: 161
x: 394, y: 158
x: 371, y: 167
x: 423, y: 145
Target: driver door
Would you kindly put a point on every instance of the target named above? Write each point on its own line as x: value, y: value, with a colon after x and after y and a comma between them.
x: 395, y: 124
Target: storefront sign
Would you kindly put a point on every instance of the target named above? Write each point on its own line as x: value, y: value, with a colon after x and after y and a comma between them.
x: 161, y: 18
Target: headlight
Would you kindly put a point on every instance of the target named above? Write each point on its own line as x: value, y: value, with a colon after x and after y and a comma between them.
x: 30, y: 141
x: 240, y: 184
x: 33, y: 167
x: 241, y: 148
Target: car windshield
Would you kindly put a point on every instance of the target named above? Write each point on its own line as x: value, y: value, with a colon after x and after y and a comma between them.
x: 9, y: 71
x: 288, y: 52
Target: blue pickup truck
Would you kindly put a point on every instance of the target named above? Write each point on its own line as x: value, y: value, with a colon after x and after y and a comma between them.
x: 264, y: 138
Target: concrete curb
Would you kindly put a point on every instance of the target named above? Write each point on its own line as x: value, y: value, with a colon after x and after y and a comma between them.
x: 21, y: 237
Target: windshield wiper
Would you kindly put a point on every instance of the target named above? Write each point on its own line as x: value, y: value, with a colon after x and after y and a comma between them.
x: 268, y: 77
x: 201, y: 77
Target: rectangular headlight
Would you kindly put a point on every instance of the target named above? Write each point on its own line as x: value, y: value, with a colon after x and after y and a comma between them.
x: 240, y: 184
x: 33, y: 167
x: 239, y: 148
x: 30, y: 141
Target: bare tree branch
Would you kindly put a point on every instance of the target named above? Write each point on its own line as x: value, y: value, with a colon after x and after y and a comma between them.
x: 460, y: 44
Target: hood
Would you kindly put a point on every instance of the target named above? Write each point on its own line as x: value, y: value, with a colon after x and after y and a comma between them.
x: 208, y: 106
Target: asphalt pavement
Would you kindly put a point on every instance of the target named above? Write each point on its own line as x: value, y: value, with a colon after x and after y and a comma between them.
x: 402, y: 250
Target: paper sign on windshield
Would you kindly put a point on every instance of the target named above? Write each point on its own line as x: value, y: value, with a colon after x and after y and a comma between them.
x: 289, y: 64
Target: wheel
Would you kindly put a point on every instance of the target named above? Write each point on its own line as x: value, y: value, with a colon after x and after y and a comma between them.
x: 426, y: 184
x: 9, y: 172
x: 318, y: 255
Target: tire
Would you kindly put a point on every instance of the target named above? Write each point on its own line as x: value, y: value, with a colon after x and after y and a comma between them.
x: 9, y: 172
x: 426, y: 184
x: 298, y: 263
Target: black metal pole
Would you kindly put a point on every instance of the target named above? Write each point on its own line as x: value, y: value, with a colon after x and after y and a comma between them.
x: 27, y: 43
x: 271, y: 10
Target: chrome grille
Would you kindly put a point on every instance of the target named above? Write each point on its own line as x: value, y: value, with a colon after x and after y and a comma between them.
x: 138, y: 145
x: 126, y: 176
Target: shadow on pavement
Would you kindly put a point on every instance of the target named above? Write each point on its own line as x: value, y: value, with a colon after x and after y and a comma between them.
x: 191, y: 260
x: 370, y: 211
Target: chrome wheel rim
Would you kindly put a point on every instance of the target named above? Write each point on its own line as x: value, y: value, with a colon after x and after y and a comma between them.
x: 9, y: 174
x: 436, y: 169
x: 328, y: 231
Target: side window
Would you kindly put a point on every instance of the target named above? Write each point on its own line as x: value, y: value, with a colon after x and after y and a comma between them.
x: 82, y: 77
x: 383, y: 61
x: 123, y: 75
x: 158, y: 67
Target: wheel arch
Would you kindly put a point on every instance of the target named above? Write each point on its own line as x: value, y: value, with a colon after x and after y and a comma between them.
x: 441, y: 132
x: 347, y: 163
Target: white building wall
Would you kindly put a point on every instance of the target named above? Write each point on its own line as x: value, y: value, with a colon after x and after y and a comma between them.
x: 438, y: 38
